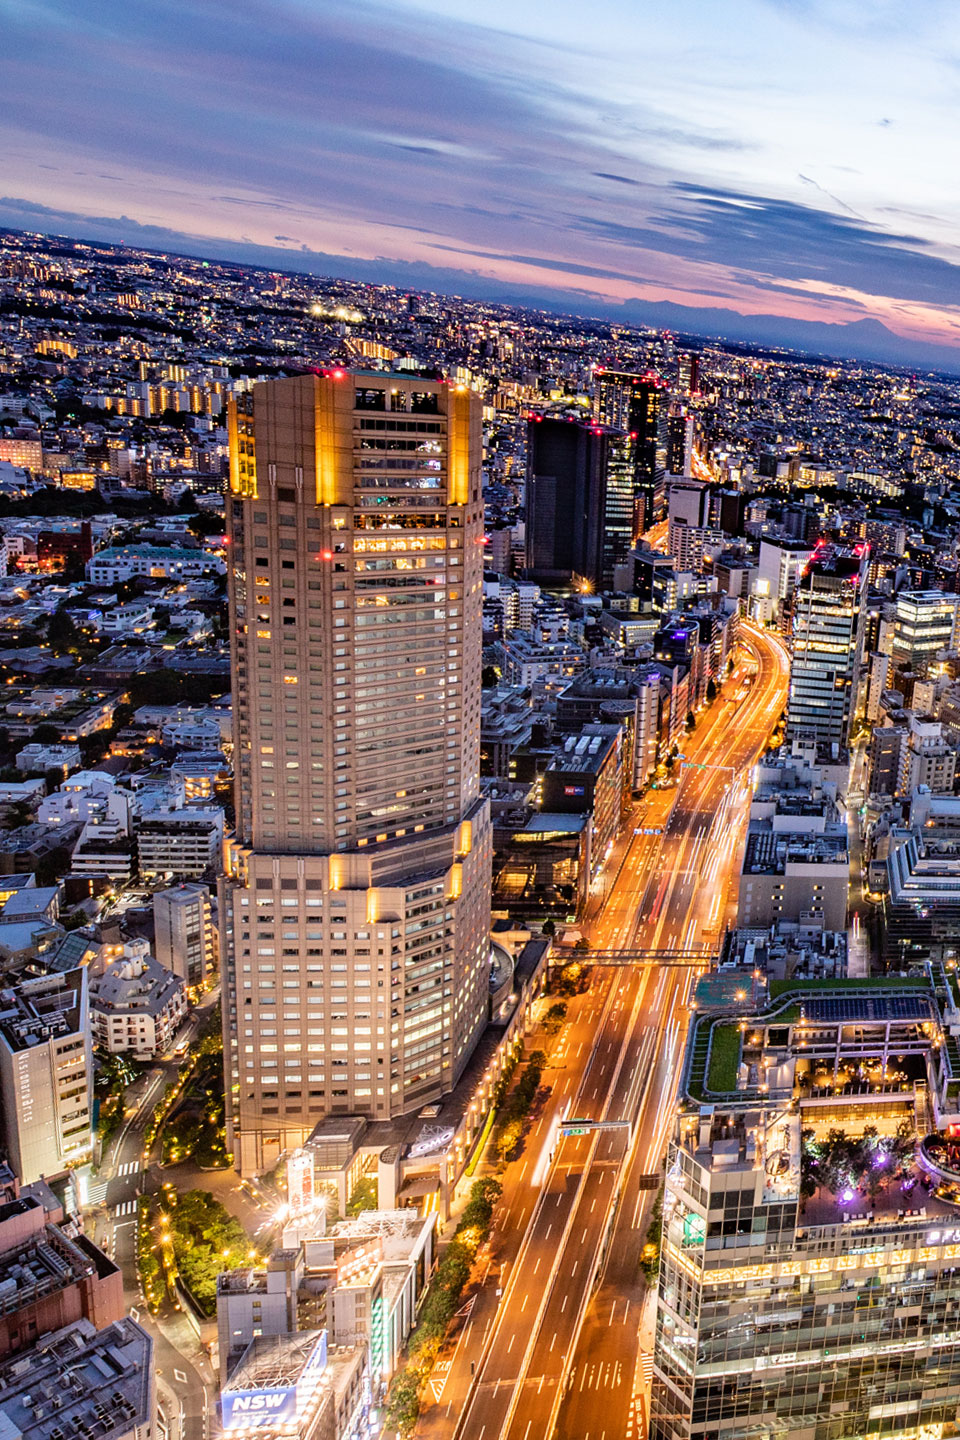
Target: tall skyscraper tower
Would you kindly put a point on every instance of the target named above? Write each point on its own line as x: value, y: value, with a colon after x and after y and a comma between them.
x: 924, y: 629
x: 688, y: 372
x: 829, y: 619
x: 355, y: 911
x: 680, y: 445
x: 579, y: 502
x: 638, y: 405
x: 564, y: 499
x: 689, y: 504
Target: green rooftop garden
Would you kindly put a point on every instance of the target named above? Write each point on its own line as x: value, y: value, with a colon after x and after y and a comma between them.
x: 954, y: 983
x: 724, y: 1058
x: 874, y: 982
x: 718, y: 1074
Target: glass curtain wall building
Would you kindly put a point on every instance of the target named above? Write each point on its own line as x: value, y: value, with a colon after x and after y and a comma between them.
x: 638, y: 406
x: 579, y: 502
x: 829, y: 618
x: 923, y: 629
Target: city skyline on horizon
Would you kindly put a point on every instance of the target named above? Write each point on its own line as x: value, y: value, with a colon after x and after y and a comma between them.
x: 491, y: 160
x: 760, y: 335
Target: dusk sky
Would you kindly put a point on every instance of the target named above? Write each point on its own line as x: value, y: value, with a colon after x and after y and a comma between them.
x: 784, y: 157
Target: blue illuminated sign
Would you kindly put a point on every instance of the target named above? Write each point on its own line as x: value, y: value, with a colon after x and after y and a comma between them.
x: 246, y: 1409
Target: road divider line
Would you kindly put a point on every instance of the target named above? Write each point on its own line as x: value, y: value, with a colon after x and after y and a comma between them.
x: 504, y: 1305
x: 598, y: 1260
x: 574, y: 1212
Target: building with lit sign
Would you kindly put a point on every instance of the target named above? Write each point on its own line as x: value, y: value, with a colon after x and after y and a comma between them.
x: 293, y: 1387
x: 361, y: 1282
x: 809, y: 1281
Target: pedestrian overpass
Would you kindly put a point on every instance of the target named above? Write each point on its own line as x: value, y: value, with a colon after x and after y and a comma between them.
x: 678, y: 959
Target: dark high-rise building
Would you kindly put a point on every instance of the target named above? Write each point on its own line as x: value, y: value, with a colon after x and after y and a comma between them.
x: 618, y: 509
x: 649, y: 568
x: 728, y: 508
x: 579, y: 502
x: 688, y: 372
x: 637, y: 405
x: 680, y: 445
x: 564, y: 500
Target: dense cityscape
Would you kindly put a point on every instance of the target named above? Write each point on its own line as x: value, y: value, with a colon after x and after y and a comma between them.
x: 479, y: 869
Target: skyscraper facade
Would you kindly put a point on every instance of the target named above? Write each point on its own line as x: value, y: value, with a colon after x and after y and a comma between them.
x: 829, y: 619
x: 638, y: 405
x: 680, y: 445
x: 579, y: 502
x: 782, y: 562
x: 185, y: 937
x: 688, y: 523
x: 786, y: 1307
x: 924, y: 627
x: 688, y: 372
x: 355, y: 910
x: 566, y: 463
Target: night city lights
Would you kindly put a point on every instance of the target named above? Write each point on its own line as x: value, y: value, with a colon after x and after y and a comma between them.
x: 480, y: 735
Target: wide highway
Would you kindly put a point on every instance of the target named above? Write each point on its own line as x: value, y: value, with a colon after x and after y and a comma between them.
x: 695, y: 896
x: 559, y: 1353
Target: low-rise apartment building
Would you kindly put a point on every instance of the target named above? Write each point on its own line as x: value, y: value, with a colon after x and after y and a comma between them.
x: 46, y: 1074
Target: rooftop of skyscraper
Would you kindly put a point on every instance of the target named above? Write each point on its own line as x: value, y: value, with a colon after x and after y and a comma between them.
x: 39, y: 1009
x: 839, y: 560
x: 729, y: 1054
x: 769, y: 851
x: 826, y: 1087
x: 79, y: 1381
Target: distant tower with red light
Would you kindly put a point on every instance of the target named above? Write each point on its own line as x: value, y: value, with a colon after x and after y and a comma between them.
x: 356, y: 909
x: 638, y: 406
x: 688, y: 373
